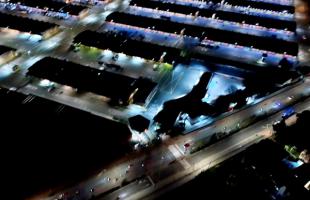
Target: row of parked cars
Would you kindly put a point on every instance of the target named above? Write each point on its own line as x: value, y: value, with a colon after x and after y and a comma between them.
x: 30, y: 10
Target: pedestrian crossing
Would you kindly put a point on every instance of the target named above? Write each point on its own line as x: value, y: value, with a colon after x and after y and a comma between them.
x: 178, y: 154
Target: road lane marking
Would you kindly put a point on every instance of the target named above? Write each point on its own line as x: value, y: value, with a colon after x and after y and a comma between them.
x: 174, y: 151
x: 185, y: 164
x: 179, y: 149
x: 177, y: 154
x: 150, y: 179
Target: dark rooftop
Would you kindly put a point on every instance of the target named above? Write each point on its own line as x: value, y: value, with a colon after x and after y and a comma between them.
x: 24, y: 24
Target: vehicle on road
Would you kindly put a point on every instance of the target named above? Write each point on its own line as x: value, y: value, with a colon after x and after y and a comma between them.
x: 278, y: 125
x: 15, y: 68
x: 288, y: 112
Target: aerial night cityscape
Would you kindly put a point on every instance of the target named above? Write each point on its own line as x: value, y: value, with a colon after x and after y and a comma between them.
x: 155, y: 99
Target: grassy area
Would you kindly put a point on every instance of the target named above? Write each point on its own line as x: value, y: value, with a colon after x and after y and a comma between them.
x: 89, y: 52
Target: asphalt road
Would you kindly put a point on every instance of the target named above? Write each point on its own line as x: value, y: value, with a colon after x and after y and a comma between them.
x: 165, y: 172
